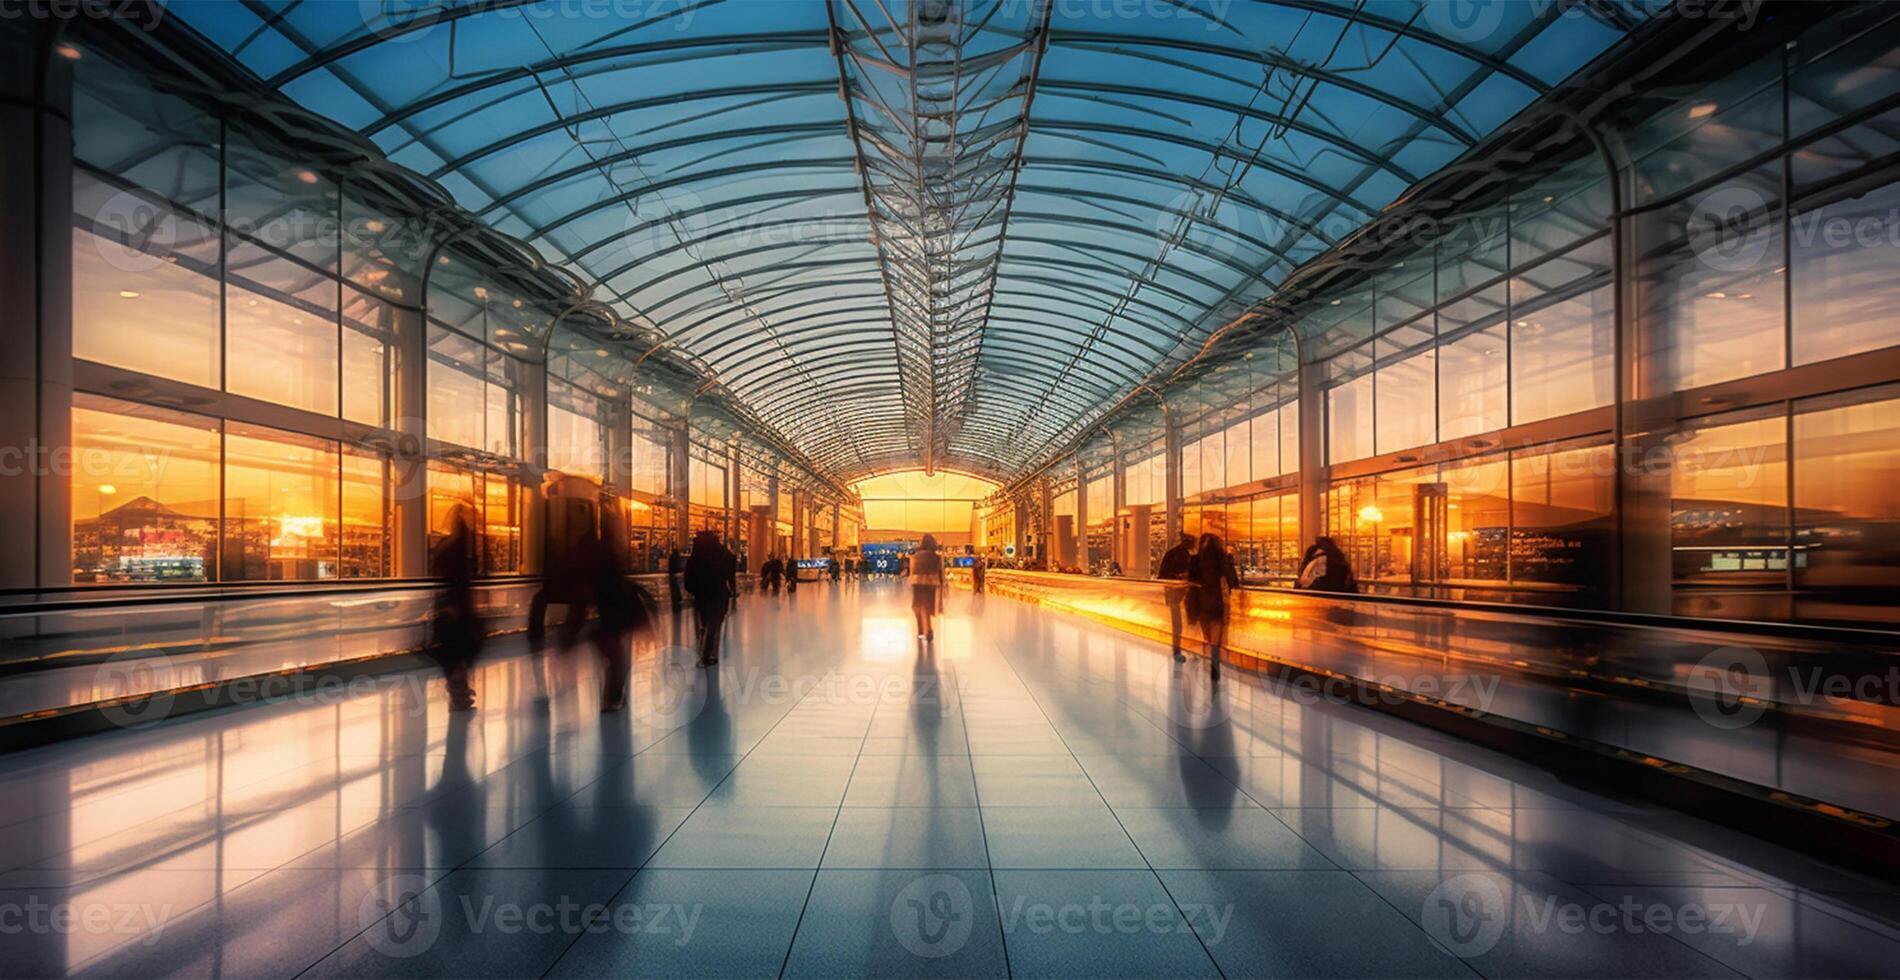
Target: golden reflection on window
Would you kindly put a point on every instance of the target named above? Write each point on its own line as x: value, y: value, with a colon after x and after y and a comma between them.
x: 366, y: 543
x: 1729, y: 502
x: 281, y: 505
x: 280, y: 353
x: 143, y: 312
x: 1847, y: 513
x: 1560, y: 516
x: 145, y: 493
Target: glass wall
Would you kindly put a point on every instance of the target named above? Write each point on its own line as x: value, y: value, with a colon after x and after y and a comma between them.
x: 162, y: 495
x: 1535, y: 519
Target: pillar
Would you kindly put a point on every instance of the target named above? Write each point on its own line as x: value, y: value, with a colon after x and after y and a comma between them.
x: 1171, y: 441
x: 36, y: 386
x: 1118, y: 550
x: 1080, y: 546
x: 679, y: 461
x: 1132, y: 531
x: 1313, y: 473
x: 409, y: 464
x: 534, y: 451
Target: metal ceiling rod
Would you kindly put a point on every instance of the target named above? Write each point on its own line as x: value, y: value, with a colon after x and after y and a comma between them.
x: 938, y: 101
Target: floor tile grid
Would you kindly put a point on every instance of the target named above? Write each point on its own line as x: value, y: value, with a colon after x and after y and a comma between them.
x: 443, y: 874
x: 1005, y: 659
x: 1364, y: 882
x: 996, y: 898
x: 610, y: 902
x: 792, y: 943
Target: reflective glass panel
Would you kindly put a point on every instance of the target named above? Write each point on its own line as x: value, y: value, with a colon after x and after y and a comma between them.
x: 145, y: 493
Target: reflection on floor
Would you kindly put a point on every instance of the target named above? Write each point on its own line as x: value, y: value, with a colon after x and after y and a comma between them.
x: 1038, y: 796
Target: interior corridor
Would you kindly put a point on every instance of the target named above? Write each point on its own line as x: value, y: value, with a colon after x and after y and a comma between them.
x: 1038, y: 796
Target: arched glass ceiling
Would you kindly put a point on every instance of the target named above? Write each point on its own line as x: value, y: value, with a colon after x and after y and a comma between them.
x: 1016, y: 212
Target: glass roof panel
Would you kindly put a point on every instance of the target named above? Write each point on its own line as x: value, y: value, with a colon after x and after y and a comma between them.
x: 983, y: 221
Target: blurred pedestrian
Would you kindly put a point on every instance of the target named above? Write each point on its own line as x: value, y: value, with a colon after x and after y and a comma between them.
x: 1210, y: 575
x: 708, y: 576
x: 1173, y: 571
x: 459, y: 634
x: 926, y: 585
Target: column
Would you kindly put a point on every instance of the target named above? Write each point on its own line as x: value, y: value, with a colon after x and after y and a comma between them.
x: 679, y: 460
x: 409, y: 463
x: 1643, y: 576
x: 36, y: 389
x: 1313, y: 473
x: 1172, y: 482
x: 1118, y: 550
x: 534, y: 453
x: 1080, y: 558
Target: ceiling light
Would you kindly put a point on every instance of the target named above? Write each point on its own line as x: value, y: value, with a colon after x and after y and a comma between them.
x: 307, y: 176
x: 1702, y: 110
x: 128, y: 294
x: 67, y: 51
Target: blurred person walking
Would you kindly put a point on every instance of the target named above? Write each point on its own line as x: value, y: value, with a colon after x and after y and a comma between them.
x: 1174, y: 571
x: 1210, y: 575
x: 926, y: 585
x: 458, y: 633
x: 708, y: 576
x: 626, y: 610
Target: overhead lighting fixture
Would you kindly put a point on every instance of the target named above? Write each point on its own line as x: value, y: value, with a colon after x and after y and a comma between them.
x: 67, y: 51
x: 307, y: 176
x: 1702, y: 110
x: 128, y: 294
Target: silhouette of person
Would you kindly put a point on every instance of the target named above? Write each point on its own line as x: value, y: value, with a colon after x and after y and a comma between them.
x: 709, y: 576
x: 1210, y: 574
x: 675, y: 567
x: 1324, y: 568
x: 1174, y: 569
x: 926, y: 584
x: 458, y: 627
x: 625, y: 609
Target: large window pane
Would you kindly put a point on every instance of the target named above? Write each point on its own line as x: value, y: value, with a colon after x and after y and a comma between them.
x: 145, y: 493
x: 1349, y: 420
x: 1714, y: 308
x: 366, y: 552
x: 1847, y: 277
x: 1563, y: 357
x: 1477, y: 520
x: 1472, y: 374
x: 1729, y: 509
x: 136, y: 310
x: 1407, y: 395
x: 1846, y: 511
x: 280, y: 353
x: 281, y: 500
x: 457, y: 390
x: 1560, y: 516
x: 1263, y: 432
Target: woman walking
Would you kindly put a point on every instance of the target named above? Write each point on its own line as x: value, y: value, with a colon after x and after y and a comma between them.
x: 1210, y: 575
x: 926, y: 581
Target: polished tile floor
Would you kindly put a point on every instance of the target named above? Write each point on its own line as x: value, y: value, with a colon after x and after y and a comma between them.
x: 1035, y: 796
